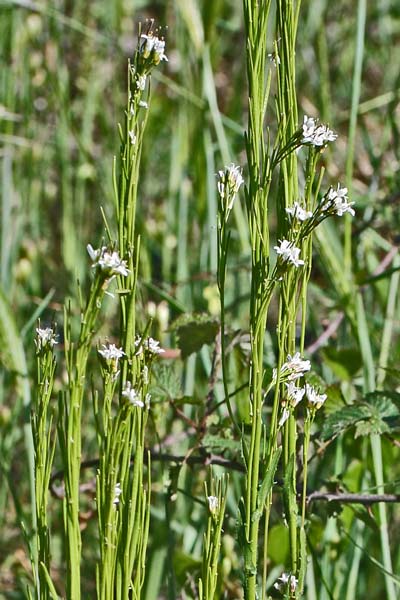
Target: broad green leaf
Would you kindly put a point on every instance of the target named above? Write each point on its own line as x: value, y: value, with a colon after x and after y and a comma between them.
x: 345, y: 363
x: 193, y: 331
x: 168, y: 384
x: 342, y: 419
x: 278, y: 544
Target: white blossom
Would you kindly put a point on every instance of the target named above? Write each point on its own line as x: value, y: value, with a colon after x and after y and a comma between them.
x: 285, y: 581
x: 132, y: 137
x: 149, y: 344
x: 295, y: 394
x: 45, y: 338
x: 229, y: 184
x: 289, y: 253
x: 315, y: 400
x: 132, y: 395
x: 298, y: 212
x: 284, y: 417
x: 111, y: 352
x: 292, y: 369
x: 213, y: 503
x: 316, y: 134
x: 109, y: 262
x: 141, y: 82
x: 143, y: 104
x: 339, y: 201
x: 117, y: 493
x: 145, y: 374
x: 147, y: 401
x: 155, y: 45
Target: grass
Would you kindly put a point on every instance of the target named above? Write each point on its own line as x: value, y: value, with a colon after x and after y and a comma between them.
x: 62, y: 93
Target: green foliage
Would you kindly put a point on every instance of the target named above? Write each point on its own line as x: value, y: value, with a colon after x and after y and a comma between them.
x: 376, y: 413
x: 193, y: 331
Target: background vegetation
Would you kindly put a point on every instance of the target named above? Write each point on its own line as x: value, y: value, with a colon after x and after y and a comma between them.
x: 62, y: 91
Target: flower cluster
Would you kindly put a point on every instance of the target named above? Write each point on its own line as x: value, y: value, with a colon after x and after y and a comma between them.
x: 298, y: 212
x: 336, y: 201
x: 315, y: 399
x: 108, y: 262
x: 294, y: 396
x: 111, y: 354
x: 316, y: 134
x: 45, y: 338
x: 292, y: 369
x: 288, y: 253
x: 286, y: 581
x: 132, y: 395
x: 152, y: 48
x: 229, y: 184
x: 149, y: 345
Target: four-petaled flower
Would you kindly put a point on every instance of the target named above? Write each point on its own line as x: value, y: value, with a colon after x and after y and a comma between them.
x: 315, y: 399
x: 298, y: 212
x: 111, y: 353
x: 338, y: 200
x: 286, y: 581
x: 153, y: 45
x: 45, y: 338
x: 132, y: 395
x: 316, y: 134
x: 213, y: 504
x: 149, y: 344
x: 108, y: 262
x: 229, y: 184
x: 289, y: 253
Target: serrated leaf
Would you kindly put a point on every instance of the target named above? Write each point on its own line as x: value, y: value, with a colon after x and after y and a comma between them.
x: 342, y: 419
x: 167, y: 386
x: 193, y: 331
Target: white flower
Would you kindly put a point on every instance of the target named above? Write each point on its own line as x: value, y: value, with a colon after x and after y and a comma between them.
x: 284, y: 417
x: 117, y: 493
x: 154, y: 346
x: 295, y: 394
x: 132, y: 137
x: 315, y: 400
x: 339, y: 200
x: 141, y: 82
x: 110, y: 262
x: 292, y: 369
x: 317, y: 135
x: 147, y: 401
x: 45, y: 338
x: 229, y: 183
x: 132, y: 395
x: 289, y: 253
x: 145, y: 374
x: 286, y: 580
x: 274, y: 58
x: 297, y: 212
x: 213, y: 503
x: 149, y: 344
x: 143, y: 104
x: 155, y: 45
x: 111, y: 352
